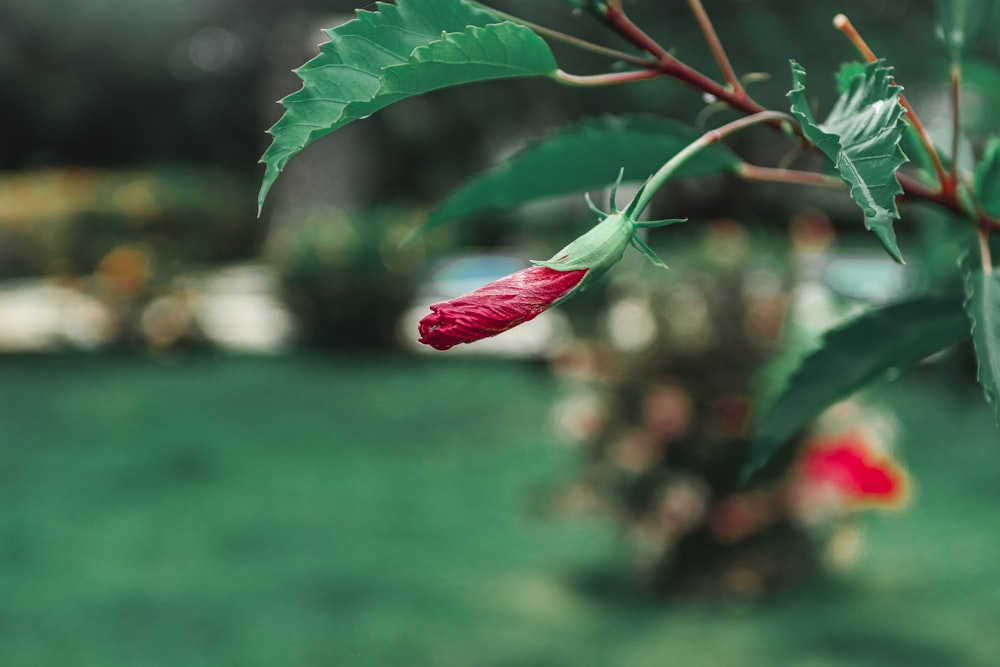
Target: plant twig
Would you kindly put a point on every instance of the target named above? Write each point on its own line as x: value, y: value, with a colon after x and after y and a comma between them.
x: 571, y: 40
x: 615, y: 18
x: 842, y: 23
x: 984, y: 250
x: 956, y: 125
x: 914, y: 189
x: 752, y: 172
x: 716, y: 46
x: 604, y: 79
x: 663, y: 174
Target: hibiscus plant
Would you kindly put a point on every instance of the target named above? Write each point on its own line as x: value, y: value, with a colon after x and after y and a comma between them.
x: 876, y: 147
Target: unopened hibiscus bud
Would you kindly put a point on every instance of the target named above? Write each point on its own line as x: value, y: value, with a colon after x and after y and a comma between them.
x: 524, y: 295
x: 498, y: 306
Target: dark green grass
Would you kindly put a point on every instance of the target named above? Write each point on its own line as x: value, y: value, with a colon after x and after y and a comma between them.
x: 321, y: 511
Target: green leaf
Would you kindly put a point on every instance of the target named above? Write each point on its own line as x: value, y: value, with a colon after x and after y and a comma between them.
x: 850, y: 357
x: 910, y: 142
x: 988, y: 179
x: 861, y: 136
x: 495, y: 51
x: 960, y: 22
x: 578, y: 157
x: 982, y: 304
x: 401, y: 50
x: 847, y: 73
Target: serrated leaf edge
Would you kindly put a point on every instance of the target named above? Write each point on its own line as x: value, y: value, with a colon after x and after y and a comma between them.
x: 390, y: 12
x: 974, y: 273
x: 753, y: 466
x: 823, y: 138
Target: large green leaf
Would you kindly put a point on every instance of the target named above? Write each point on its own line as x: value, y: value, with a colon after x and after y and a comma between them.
x: 910, y: 142
x: 982, y: 304
x: 988, y: 179
x: 850, y: 357
x: 581, y: 156
x: 409, y: 48
x: 861, y: 135
x: 961, y: 21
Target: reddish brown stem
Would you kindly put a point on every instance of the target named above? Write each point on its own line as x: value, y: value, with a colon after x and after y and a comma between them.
x: 604, y: 79
x: 707, y: 29
x: 614, y: 17
x: 946, y: 196
x: 678, y: 70
x: 752, y: 172
x: 915, y: 190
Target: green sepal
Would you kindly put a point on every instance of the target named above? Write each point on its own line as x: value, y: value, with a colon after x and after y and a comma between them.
x: 600, y: 248
x: 604, y: 245
x: 649, y: 224
x: 597, y: 251
x: 647, y: 252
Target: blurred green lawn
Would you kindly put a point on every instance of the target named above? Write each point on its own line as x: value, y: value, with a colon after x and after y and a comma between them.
x: 309, y: 511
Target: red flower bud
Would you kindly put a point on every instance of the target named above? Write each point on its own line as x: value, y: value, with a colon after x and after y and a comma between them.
x: 522, y: 296
x: 494, y: 308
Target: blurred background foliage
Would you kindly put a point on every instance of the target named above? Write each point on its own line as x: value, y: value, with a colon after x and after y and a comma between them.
x: 169, y: 101
x: 67, y: 220
x: 368, y: 506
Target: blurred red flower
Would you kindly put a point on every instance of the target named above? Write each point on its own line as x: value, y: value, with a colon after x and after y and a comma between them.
x: 494, y: 308
x: 849, y: 469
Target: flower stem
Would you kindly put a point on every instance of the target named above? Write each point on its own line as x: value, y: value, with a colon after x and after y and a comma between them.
x: 750, y: 172
x: 842, y: 23
x: 956, y: 127
x: 604, y: 79
x: 984, y: 250
x: 716, y: 46
x: 663, y: 174
x: 565, y: 38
